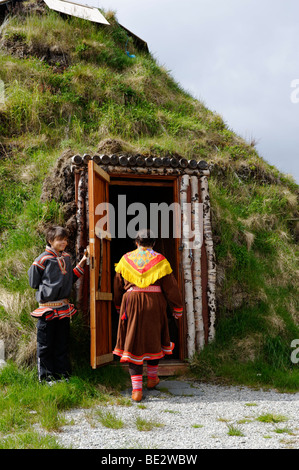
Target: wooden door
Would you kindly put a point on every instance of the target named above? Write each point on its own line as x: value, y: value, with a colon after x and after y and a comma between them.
x: 100, y: 276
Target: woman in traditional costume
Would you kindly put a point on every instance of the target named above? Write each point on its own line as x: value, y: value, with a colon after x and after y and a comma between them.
x: 143, y: 286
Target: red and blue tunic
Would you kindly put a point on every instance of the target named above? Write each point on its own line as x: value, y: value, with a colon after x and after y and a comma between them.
x: 53, y: 276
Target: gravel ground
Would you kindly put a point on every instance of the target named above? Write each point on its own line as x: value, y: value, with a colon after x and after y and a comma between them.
x: 191, y: 415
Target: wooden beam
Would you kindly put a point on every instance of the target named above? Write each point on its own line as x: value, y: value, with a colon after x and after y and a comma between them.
x: 104, y: 359
x: 140, y: 182
x: 167, y: 368
x: 104, y: 296
x: 103, y: 234
x: 103, y: 174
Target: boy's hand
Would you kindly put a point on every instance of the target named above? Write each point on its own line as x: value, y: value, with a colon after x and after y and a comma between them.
x: 86, y: 253
x: 85, y: 257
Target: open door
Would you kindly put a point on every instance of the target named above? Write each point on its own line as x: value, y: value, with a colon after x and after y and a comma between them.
x: 100, y: 275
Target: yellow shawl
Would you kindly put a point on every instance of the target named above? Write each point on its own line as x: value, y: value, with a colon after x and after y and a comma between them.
x: 143, y: 267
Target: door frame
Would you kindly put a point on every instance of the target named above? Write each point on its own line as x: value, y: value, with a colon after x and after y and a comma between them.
x: 171, y: 181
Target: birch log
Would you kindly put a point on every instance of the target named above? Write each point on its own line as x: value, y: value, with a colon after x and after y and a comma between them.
x: 208, y: 239
x: 80, y: 216
x: 186, y: 264
x: 196, y: 212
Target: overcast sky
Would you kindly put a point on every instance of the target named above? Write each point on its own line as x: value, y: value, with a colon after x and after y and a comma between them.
x: 239, y: 57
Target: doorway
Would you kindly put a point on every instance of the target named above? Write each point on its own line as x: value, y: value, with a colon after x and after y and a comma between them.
x: 145, y: 191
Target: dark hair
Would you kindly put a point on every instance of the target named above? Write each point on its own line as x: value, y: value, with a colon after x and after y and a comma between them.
x: 145, y: 237
x: 56, y: 232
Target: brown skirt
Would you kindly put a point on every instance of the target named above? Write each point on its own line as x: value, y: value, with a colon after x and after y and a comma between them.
x: 144, y: 334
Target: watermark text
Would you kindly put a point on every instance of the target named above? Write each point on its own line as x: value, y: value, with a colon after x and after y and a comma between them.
x: 165, y: 220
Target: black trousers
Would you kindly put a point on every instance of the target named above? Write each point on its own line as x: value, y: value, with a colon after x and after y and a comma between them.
x: 53, y: 348
x: 136, y: 369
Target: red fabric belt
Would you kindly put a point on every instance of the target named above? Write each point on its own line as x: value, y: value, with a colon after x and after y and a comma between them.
x: 57, y: 303
x: 145, y: 289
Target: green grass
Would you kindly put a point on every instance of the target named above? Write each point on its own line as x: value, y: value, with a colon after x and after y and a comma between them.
x: 109, y: 419
x: 284, y: 431
x: 234, y: 431
x: 29, y: 440
x: 272, y: 418
x: 147, y: 425
x: 24, y: 402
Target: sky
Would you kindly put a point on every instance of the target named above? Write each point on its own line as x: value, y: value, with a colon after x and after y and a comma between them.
x: 240, y: 58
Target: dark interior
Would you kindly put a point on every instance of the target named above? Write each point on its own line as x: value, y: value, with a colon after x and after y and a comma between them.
x: 166, y: 246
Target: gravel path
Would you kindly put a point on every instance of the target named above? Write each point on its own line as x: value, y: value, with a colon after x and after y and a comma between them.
x: 190, y: 415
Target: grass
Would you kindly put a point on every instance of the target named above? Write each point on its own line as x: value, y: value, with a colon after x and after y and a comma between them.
x: 25, y: 403
x: 234, y: 431
x: 29, y: 440
x: 109, y: 419
x: 147, y: 425
x: 271, y: 418
x: 284, y: 431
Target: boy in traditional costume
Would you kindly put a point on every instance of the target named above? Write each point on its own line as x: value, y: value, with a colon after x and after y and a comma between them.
x: 53, y: 276
x: 143, y: 285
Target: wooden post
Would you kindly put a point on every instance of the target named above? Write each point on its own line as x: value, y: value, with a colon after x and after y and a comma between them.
x: 81, y: 225
x: 208, y: 240
x: 187, y: 271
x: 197, y: 288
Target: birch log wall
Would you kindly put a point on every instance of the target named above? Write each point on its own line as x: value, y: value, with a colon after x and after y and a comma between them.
x: 193, y: 189
x: 197, y: 217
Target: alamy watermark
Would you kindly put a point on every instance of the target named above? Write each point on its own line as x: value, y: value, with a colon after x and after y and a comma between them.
x: 2, y: 92
x: 168, y: 220
x: 295, y: 92
x: 295, y: 353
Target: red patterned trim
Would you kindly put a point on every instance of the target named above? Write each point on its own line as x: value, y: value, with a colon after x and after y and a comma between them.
x: 36, y: 263
x: 51, y: 313
x: 78, y: 271
x: 148, y: 266
x: 178, y: 312
x: 126, y: 356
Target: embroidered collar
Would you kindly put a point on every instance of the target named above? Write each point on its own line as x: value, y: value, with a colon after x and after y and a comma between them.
x: 57, y: 254
x: 143, y: 267
x: 60, y: 258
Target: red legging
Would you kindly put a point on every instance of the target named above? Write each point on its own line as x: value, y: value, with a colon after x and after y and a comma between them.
x: 137, y: 369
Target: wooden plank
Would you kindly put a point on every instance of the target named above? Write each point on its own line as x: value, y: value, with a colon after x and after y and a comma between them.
x: 104, y: 296
x: 100, y: 309
x: 141, y: 182
x: 104, y: 359
x: 166, y: 368
x: 103, y: 234
x: 151, y: 172
x: 91, y: 185
x: 140, y: 175
x: 103, y: 174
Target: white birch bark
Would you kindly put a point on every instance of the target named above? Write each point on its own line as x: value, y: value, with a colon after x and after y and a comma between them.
x: 80, y: 217
x: 196, y: 211
x: 208, y: 239
x: 186, y: 263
